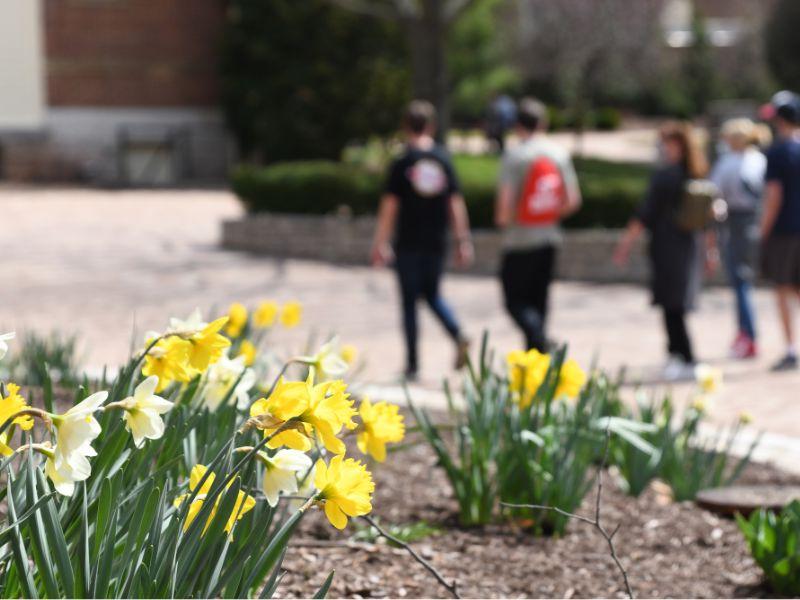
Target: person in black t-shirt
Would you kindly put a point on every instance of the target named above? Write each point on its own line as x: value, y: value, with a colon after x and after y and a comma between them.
x: 421, y: 197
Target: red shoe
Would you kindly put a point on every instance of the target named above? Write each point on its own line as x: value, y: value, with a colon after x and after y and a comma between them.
x: 744, y: 347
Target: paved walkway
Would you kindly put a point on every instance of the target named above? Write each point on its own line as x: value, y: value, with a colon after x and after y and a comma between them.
x: 95, y: 262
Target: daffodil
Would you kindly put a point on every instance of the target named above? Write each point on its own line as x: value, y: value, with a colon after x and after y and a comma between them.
x: 3, y: 345
x: 349, y: 354
x: 328, y: 361
x: 169, y: 361
x: 345, y: 486
x: 381, y: 424
x: 709, y: 379
x: 291, y: 314
x: 247, y: 350
x: 143, y: 412
x: 207, y: 346
x: 64, y: 474
x: 281, y: 472
x: 745, y: 418
x: 223, y: 375
x: 265, y: 314
x: 321, y: 410
x: 76, y: 429
x: 188, y: 327
x: 526, y: 373
x: 244, y: 502
x: 10, y: 405
x: 700, y: 404
x: 304, y: 489
x: 571, y: 380
x: 237, y: 319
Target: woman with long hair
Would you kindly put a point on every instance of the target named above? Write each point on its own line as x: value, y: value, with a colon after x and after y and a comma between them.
x: 675, y: 254
x: 739, y: 176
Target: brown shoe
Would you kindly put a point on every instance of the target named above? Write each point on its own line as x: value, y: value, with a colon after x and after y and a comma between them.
x: 462, y: 353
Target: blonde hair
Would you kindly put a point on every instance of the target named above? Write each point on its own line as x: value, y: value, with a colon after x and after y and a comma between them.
x: 746, y: 133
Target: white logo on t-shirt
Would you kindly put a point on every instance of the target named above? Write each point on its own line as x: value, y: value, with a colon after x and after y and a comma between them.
x: 427, y: 177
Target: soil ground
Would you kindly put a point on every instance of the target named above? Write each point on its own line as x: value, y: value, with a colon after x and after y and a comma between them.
x: 669, y: 549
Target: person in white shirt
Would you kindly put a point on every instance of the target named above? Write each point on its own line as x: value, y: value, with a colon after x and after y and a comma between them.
x: 739, y: 175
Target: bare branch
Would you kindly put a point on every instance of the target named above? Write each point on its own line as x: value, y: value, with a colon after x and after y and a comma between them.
x: 370, y: 8
x: 594, y: 522
x: 451, y: 587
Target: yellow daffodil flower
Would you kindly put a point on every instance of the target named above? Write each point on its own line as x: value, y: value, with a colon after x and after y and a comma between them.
x: 291, y: 314
x: 237, y: 319
x: 745, y: 418
x: 345, y: 486
x: 206, y: 347
x: 247, y: 350
x: 526, y: 373
x: 571, y: 380
x: 266, y: 314
x: 169, y: 361
x: 3, y: 345
x: 143, y: 412
x: 244, y: 502
x: 709, y: 379
x: 281, y: 472
x: 9, y: 406
x: 321, y: 409
x: 381, y: 424
x: 700, y: 404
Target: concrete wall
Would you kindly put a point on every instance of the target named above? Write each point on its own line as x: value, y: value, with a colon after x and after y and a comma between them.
x: 21, y: 66
x: 585, y: 256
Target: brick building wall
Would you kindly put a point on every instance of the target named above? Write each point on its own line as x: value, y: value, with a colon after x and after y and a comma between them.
x: 144, y: 53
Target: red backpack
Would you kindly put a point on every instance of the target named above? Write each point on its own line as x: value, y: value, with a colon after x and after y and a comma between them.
x: 542, y: 194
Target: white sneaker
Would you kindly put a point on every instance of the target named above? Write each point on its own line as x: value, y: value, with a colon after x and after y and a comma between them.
x: 677, y: 369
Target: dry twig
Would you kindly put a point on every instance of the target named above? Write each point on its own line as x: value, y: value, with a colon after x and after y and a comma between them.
x: 451, y: 587
x: 593, y: 521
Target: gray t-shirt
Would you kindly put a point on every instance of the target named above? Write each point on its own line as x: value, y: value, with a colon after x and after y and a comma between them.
x: 514, y: 171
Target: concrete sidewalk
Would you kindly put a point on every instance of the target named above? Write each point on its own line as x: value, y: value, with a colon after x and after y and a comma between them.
x: 95, y: 262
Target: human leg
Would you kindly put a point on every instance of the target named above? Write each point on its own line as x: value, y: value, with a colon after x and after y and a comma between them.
x: 679, y: 343
x: 432, y: 269
x: 517, y: 275
x: 409, y: 282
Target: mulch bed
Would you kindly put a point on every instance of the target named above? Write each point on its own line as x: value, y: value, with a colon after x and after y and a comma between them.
x: 669, y: 549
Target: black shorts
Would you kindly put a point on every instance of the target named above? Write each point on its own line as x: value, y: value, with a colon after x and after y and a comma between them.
x: 780, y: 260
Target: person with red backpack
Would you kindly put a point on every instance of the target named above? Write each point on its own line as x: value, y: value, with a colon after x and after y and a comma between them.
x: 538, y: 188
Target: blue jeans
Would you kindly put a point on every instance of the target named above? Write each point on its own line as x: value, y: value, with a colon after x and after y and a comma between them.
x: 737, y: 240
x: 418, y: 274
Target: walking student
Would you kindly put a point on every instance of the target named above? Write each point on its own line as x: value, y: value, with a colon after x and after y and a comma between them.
x: 675, y: 252
x: 421, y: 199
x: 538, y: 187
x: 780, y: 222
x: 739, y: 177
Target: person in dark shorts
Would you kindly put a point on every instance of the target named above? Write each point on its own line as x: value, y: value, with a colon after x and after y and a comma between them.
x: 780, y: 222
x: 538, y: 187
x: 421, y: 199
x: 675, y: 254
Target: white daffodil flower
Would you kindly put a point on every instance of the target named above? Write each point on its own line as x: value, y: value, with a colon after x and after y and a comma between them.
x: 328, y: 362
x: 76, y: 429
x: 64, y: 474
x: 222, y: 375
x: 709, y: 379
x: 143, y: 412
x: 3, y: 345
x: 192, y: 325
x: 281, y: 472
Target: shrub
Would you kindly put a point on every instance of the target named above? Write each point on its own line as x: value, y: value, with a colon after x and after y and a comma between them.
x: 611, y: 191
x: 773, y: 541
x: 607, y: 118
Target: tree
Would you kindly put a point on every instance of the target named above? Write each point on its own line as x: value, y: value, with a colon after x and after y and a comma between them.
x: 699, y: 69
x: 427, y: 24
x: 302, y: 79
x: 783, y: 43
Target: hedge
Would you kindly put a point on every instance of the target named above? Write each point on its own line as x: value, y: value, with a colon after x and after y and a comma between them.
x: 610, y: 190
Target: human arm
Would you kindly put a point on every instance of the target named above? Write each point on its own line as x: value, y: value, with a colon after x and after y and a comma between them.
x: 623, y: 250
x: 773, y: 198
x: 504, y: 205
x: 382, y: 253
x: 572, y: 191
x: 459, y: 221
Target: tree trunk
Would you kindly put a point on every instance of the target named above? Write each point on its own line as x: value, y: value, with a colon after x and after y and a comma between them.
x: 427, y: 42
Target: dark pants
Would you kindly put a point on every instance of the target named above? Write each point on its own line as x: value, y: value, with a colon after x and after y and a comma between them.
x: 679, y: 343
x: 419, y: 275
x: 526, y: 277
